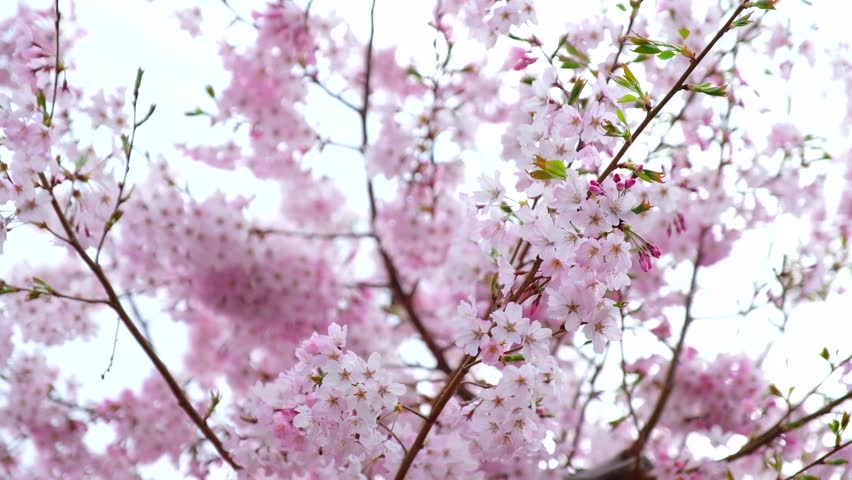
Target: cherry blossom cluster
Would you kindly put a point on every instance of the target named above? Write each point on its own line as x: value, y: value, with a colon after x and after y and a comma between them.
x: 333, y: 411
x: 231, y: 280
x: 726, y: 396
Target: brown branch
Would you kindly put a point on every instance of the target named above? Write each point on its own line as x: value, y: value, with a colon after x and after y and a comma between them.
x: 628, y: 394
x: 115, y: 304
x: 669, y: 382
x: 820, y: 460
x: 337, y: 96
x: 437, y: 407
x: 394, y: 278
x: 578, y: 431
x: 634, y: 10
x: 455, y: 380
x: 779, y: 429
x: 675, y: 88
x: 57, y: 62
x: 261, y: 232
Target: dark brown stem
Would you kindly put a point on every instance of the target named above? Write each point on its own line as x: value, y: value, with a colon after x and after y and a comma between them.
x: 394, y: 278
x: 578, y: 431
x: 57, y: 63
x: 820, y: 460
x: 455, y: 380
x: 309, y: 235
x: 115, y: 303
x: 437, y: 407
x: 675, y: 88
x: 634, y: 5
x: 779, y: 429
x: 669, y: 382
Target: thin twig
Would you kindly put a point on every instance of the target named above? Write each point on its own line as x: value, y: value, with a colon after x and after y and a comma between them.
x: 112, y: 353
x: 57, y: 62
x: 310, y: 235
x: 669, y: 382
x: 675, y: 88
x: 437, y: 407
x: 578, y: 430
x: 820, y: 460
x: 115, y: 304
x: 775, y: 431
x: 137, y: 314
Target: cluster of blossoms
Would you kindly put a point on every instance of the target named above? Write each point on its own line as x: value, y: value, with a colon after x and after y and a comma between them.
x: 228, y: 279
x: 331, y: 412
x: 720, y: 397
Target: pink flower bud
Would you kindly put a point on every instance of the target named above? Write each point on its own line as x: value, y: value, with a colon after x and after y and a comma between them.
x: 644, y: 261
x: 595, y: 187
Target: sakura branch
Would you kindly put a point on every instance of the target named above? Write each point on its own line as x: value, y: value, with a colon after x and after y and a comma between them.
x: 113, y: 300
x: 823, y: 459
x: 679, y: 85
x: 669, y: 383
x: 115, y: 303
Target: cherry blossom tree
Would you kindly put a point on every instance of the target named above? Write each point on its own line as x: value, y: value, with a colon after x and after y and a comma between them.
x: 541, y: 323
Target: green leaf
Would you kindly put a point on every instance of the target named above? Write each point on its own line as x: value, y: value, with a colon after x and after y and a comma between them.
x: 195, y: 113
x: 824, y: 353
x: 629, y: 75
x: 764, y: 4
x: 550, y: 169
x: 516, y: 357
x: 576, y: 90
x: 41, y: 101
x: 617, y: 421
x: 650, y: 176
x: 641, y: 208
x: 708, y: 89
x: 210, y: 91
x: 647, y: 49
x: 138, y: 82
x: 570, y: 63
x: 684, y: 33
x: 125, y: 144
x: 666, y: 55
x: 114, y: 218
x: 774, y: 391
x: 742, y: 21
x: 621, y: 7
x: 147, y: 115
x: 41, y: 284
x: 627, y: 98
x: 620, y: 115
x: 577, y: 53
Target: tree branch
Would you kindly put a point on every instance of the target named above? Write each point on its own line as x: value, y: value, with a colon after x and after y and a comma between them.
x: 115, y: 303
x: 820, y: 460
x: 669, y: 382
x: 779, y: 429
x: 675, y: 88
